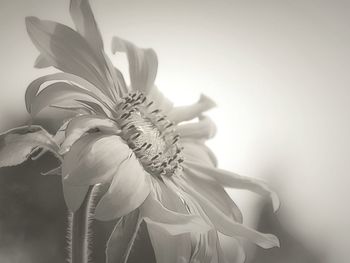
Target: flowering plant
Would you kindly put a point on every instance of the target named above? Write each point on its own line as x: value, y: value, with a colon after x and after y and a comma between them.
x: 132, y: 148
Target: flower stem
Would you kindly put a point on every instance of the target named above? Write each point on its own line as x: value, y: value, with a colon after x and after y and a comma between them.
x: 79, y: 229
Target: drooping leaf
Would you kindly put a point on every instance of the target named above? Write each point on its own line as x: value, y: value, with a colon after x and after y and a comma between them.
x: 16, y: 145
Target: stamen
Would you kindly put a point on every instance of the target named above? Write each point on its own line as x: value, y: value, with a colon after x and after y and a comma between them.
x: 149, y: 135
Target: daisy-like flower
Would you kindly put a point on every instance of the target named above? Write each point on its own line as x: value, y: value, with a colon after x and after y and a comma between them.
x: 131, y: 139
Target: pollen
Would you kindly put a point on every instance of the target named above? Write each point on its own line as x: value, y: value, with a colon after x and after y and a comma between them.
x: 150, y: 135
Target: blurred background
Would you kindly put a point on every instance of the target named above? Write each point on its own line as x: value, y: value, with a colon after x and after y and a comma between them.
x: 278, y: 71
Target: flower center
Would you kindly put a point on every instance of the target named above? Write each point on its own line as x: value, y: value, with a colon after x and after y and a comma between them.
x: 150, y: 135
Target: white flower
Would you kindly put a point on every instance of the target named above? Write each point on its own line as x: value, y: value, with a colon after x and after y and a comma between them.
x: 133, y: 139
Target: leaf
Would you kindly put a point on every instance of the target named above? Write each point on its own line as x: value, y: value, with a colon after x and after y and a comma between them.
x: 16, y: 145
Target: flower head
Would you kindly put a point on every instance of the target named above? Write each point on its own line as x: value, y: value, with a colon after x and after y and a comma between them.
x: 132, y: 139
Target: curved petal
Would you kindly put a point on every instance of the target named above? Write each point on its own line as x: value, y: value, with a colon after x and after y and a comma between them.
x: 168, y: 248
x: 78, y: 126
x: 143, y: 64
x: 159, y: 101
x: 116, y: 78
x: 60, y: 133
x: 229, y: 179
x: 68, y: 51
x: 203, y: 244
x: 215, y: 193
x: 93, y: 159
x: 94, y: 108
x: 170, y: 222
x: 57, y: 94
x: 232, y: 250
x: 16, y: 145
x: 204, y: 129
x: 226, y: 225
x: 187, y: 113
x: 122, y: 239
x: 85, y: 23
x: 41, y: 62
x: 34, y: 87
x: 206, y: 249
x: 198, y: 152
x: 129, y: 188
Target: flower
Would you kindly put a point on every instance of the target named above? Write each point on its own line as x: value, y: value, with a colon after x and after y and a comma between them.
x: 157, y: 168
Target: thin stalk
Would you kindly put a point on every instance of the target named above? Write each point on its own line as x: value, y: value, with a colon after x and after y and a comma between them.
x: 79, y: 229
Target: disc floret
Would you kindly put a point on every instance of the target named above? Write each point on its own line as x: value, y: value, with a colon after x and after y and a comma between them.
x: 150, y: 134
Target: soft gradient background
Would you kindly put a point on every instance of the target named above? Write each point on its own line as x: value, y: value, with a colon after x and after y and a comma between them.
x: 278, y: 71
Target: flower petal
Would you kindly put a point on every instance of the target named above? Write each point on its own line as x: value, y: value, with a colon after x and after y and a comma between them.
x: 17, y: 144
x: 123, y: 237
x: 226, y: 225
x: 159, y: 101
x: 143, y: 64
x: 203, y: 244
x: 93, y: 159
x: 229, y: 179
x: 187, y: 113
x: 41, y: 62
x: 85, y: 23
x: 198, y: 152
x: 232, y: 250
x: 59, y: 94
x: 215, y: 193
x: 206, y: 249
x: 129, y: 188
x: 94, y: 107
x: 168, y: 248
x: 78, y: 126
x: 34, y: 87
x: 170, y: 222
x: 204, y: 129
x: 116, y: 78
x: 68, y: 51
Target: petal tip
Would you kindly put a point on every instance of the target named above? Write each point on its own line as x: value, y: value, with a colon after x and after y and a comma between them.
x: 207, y: 101
x: 270, y: 242
x: 276, y: 203
x: 30, y: 20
